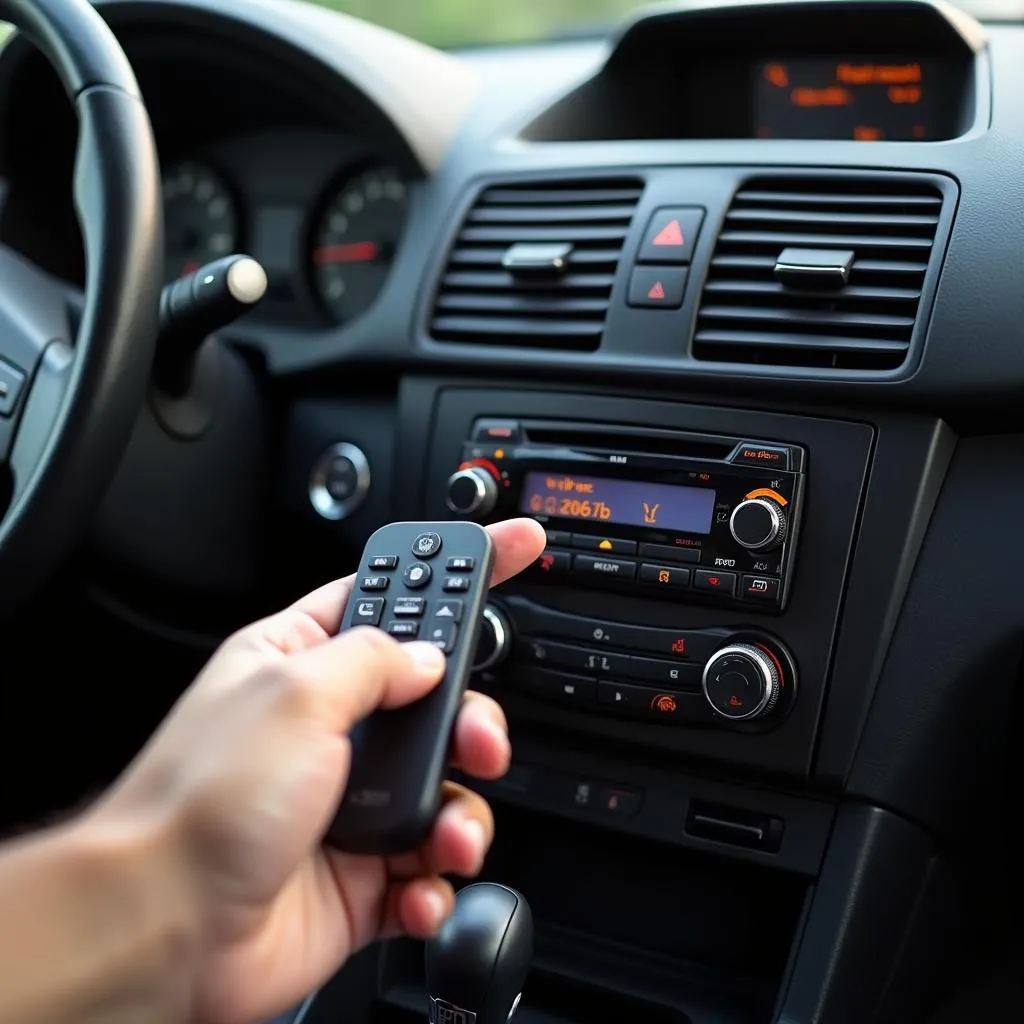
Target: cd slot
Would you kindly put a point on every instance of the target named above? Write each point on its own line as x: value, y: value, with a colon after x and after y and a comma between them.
x: 629, y: 441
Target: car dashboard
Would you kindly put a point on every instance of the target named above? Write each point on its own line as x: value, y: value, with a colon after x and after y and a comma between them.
x: 730, y: 302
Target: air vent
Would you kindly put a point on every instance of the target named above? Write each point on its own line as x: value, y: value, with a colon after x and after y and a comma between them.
x: 534, y: 264
x: 877, y: 234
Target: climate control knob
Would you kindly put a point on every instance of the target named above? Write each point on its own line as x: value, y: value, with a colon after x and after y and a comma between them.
x: 741, y: 682
x: 758, y: 524
x: 472, y: 492
x: 495, y: 643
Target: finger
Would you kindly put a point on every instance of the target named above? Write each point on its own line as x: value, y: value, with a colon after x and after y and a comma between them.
x: 458, y: 841
x: 518, y: 543
x: 480, y: 745
x: 307, y: 623
x: 360, y: 670
x: 417, y: 907
x: 326, y: 605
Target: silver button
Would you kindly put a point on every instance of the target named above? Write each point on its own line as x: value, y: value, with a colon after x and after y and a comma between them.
x: 339, y: 481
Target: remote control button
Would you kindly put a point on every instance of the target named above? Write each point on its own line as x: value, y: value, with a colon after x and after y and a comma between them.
x: 417, y: 576
x: 448, y: 610
x: 383, y: 561
x: 409, y: 606
x: 456, y: 584
x: 426, y: 545
x: 442, y: 635
x: 374, y: 583
x: 404, y: 629
x: 368, y: 611
x: 460, y: 564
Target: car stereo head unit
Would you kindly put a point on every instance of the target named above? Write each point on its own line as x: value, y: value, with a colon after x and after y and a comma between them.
x: 683, y: 515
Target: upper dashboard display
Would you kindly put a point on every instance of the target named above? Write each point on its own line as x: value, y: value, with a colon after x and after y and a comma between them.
x: 869, y: 99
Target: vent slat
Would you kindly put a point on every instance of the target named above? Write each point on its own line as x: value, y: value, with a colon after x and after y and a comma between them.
x: 818, y: 318
x: 826, y: 240
x: 520, y: 305
x: 760, y: 264
x: 527, y: 327
x: 838, y: 201
x: 492, y: 256
x: 819, y: 219
x: 513, y: 233
x: 772, y: 289
x: 502, y: 280
x: 747, y: 316
x: 478, y: 300
x: 750, y: 339
x: 550, y: 215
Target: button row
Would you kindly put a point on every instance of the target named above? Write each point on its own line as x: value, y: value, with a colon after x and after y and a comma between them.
x: 619, y: 546
x: 673, y: 674
x: 535, y: 621
x: 385, y: 563
x: 707, y: 581
x: 641, y: 702
x: 416, y: 577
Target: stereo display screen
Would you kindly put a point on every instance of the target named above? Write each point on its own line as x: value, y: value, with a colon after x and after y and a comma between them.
x: 626, y: 502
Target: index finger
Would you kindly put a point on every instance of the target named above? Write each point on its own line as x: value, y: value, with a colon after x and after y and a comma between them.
x: 517, y: 543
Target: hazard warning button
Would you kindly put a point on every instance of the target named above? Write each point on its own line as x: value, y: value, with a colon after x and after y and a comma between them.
x: 662, y: 287
x: 671, y: 235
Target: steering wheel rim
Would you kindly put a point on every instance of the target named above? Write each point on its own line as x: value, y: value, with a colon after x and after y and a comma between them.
x: 73, y: 411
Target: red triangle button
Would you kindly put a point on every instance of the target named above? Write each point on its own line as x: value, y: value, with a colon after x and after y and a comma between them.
x: 657, y: 291
x: 670, y: 234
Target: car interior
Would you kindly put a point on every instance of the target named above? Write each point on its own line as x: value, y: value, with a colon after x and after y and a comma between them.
x: 726, y: 296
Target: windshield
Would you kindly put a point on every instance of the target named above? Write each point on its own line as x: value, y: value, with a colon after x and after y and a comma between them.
x: 449, y: 23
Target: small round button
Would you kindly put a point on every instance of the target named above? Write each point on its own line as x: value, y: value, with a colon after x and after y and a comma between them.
x: 472, y: 492
x: 339, y: 481
x: 426, y: 545
x: 417, y: 575
x: 495, y: 640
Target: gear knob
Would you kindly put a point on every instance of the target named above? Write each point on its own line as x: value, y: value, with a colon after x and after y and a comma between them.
x: 477, y: 962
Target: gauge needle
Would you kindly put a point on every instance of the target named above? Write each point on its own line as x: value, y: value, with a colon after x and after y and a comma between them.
x: 190, y: 268
x: 351, y: 252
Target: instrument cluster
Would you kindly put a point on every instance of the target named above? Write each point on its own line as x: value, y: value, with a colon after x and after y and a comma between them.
x: 327, y: 245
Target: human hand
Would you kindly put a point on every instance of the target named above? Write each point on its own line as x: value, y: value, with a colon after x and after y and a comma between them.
x: 245, y: 775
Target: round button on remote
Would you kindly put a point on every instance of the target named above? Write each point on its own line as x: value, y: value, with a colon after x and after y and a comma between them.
x: 426, y: 545
x: 417, y: 576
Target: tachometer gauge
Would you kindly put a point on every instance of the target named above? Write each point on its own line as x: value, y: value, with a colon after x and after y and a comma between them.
x: 354, y: 241
x: 200, y: 218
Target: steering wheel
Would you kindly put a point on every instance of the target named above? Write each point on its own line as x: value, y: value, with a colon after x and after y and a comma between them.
x: 68, y: 404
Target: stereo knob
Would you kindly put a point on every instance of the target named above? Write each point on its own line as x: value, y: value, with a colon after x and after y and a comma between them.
x: 495, y: 641
x: 741, y: 682
x: 758, y: 524
x: 472, y: 492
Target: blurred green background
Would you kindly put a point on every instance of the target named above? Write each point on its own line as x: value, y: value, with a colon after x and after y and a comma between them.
x: 461, y: 22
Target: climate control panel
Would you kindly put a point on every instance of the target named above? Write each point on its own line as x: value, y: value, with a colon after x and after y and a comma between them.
x: 710, y: 677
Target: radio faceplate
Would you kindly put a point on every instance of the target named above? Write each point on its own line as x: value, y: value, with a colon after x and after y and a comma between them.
x: 684, y: 516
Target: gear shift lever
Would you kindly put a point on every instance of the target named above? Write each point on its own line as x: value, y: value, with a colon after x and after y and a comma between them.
x: 477, y: 963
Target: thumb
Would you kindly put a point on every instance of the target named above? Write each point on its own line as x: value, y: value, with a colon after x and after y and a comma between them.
x: 361, y: 670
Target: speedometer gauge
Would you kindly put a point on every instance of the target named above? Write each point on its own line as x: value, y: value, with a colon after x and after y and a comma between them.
x: 200, y: 218
x: 354, y: 242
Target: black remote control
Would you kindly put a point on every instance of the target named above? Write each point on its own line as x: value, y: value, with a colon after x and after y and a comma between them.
x: 416, y: 581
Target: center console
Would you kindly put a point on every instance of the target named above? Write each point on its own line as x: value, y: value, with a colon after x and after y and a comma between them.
x: 688, y: 598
